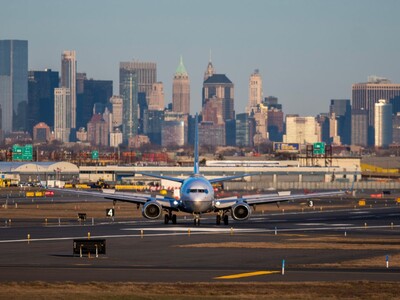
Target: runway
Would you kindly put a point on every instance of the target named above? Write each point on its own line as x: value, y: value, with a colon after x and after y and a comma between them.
x: 317, y: 245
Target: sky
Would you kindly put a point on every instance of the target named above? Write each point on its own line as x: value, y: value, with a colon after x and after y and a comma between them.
x: 307, y: 51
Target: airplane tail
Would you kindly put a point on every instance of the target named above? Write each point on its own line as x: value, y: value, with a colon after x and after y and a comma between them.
x: 196, y: 145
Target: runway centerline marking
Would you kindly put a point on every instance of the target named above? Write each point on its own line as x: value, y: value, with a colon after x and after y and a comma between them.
x: 248, y: 274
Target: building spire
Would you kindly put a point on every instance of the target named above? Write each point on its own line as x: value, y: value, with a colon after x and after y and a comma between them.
x: 181, y: 70
x: 210, y: 69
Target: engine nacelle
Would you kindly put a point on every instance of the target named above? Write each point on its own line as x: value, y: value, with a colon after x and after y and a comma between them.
x: 241, y: 211
x: 151, y: 210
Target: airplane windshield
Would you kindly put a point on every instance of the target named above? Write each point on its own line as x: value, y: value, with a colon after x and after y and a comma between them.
x: 197, y: 191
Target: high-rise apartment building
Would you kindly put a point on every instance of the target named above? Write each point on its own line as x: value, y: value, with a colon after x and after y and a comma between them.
x: 255, y: 91
x: 13, y: 84
x: 62, y: 106
x: 365, y: 95
x: 181, y: 90
x: 302, y: 130
x: 41, y: 85
x: 340, y: 114
x: 130, y: 106
x: 383, y: 124
x: 68, y: 80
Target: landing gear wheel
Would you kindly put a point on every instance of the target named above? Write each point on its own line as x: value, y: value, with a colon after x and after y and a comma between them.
x: 173, y: 219
x: 226, y: 220
x: 218, y: 220
x: 196, y: 222
x: 166, y: 219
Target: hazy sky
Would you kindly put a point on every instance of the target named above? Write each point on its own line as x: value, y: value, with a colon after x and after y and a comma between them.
x: 308, y: 52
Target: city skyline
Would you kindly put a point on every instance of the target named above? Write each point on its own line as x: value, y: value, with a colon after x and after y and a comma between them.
x: 308, y: 52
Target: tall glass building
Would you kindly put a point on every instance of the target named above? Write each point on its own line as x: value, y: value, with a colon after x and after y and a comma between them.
x: 13, y: 84
x: 130, y: 106
x: 383, y: 124
x: 68, y: 80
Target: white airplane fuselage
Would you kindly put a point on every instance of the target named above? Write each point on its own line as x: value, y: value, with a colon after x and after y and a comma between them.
x: 197, y: 195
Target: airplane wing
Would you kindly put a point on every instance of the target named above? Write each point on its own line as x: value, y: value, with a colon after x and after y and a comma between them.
x: 225, y: 203
x: 163, y: 177
x: 228, y: 178
x: 136, y: 198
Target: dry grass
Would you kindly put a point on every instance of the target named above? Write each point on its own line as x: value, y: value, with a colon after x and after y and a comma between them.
x: 371, y: 262
x: 296, y: 245
x: 99, y: 290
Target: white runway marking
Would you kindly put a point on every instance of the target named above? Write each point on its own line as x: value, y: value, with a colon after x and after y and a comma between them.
x: 324, y: 224
x: 193, y: 229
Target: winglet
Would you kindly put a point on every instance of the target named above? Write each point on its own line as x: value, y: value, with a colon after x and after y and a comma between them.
x: 196, y: 145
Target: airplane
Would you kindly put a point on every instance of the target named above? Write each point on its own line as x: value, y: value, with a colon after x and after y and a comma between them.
x: 197, y: 197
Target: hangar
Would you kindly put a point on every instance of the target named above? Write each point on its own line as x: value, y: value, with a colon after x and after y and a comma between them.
x: 39, y: 172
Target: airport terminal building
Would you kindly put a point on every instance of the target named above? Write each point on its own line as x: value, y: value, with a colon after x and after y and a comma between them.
x: 291, y: 174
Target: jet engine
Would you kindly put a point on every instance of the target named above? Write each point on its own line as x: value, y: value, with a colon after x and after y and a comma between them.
x: 241, y: 211
x: 151, y: 210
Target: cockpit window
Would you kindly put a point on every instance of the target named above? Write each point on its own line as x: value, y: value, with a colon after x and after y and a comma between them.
x: 205, y: 191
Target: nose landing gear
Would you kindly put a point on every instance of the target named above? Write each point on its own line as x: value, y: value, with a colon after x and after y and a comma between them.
x: 196, y: 220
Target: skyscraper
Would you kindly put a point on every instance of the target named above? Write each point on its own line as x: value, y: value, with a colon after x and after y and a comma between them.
x: 359, y: 127
x: 255, y: 91
x: 340, y: 112
x: 68, y: 80
x: 146, y: 75
x: 94, y: 91
x: 245, y: 129
x: 181, y: 90
x: 116, y: 102
x: 62, y: 103
x: 41, y: 85
x: 156, y: 100
x: 365, y: 95
x: 218, y: 88
x: 130, y: 106
x: 260, y: 115
x: 13, y: 84
x: 383, y: 124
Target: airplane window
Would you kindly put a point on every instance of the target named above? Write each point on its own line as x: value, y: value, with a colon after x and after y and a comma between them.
x: 206, y: 191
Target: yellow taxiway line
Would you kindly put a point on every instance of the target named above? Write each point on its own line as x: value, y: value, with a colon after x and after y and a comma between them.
x: 249, y: 274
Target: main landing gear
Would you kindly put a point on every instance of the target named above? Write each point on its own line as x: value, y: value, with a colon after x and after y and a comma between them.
x: 222, y: 217
x: 170, y: 217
